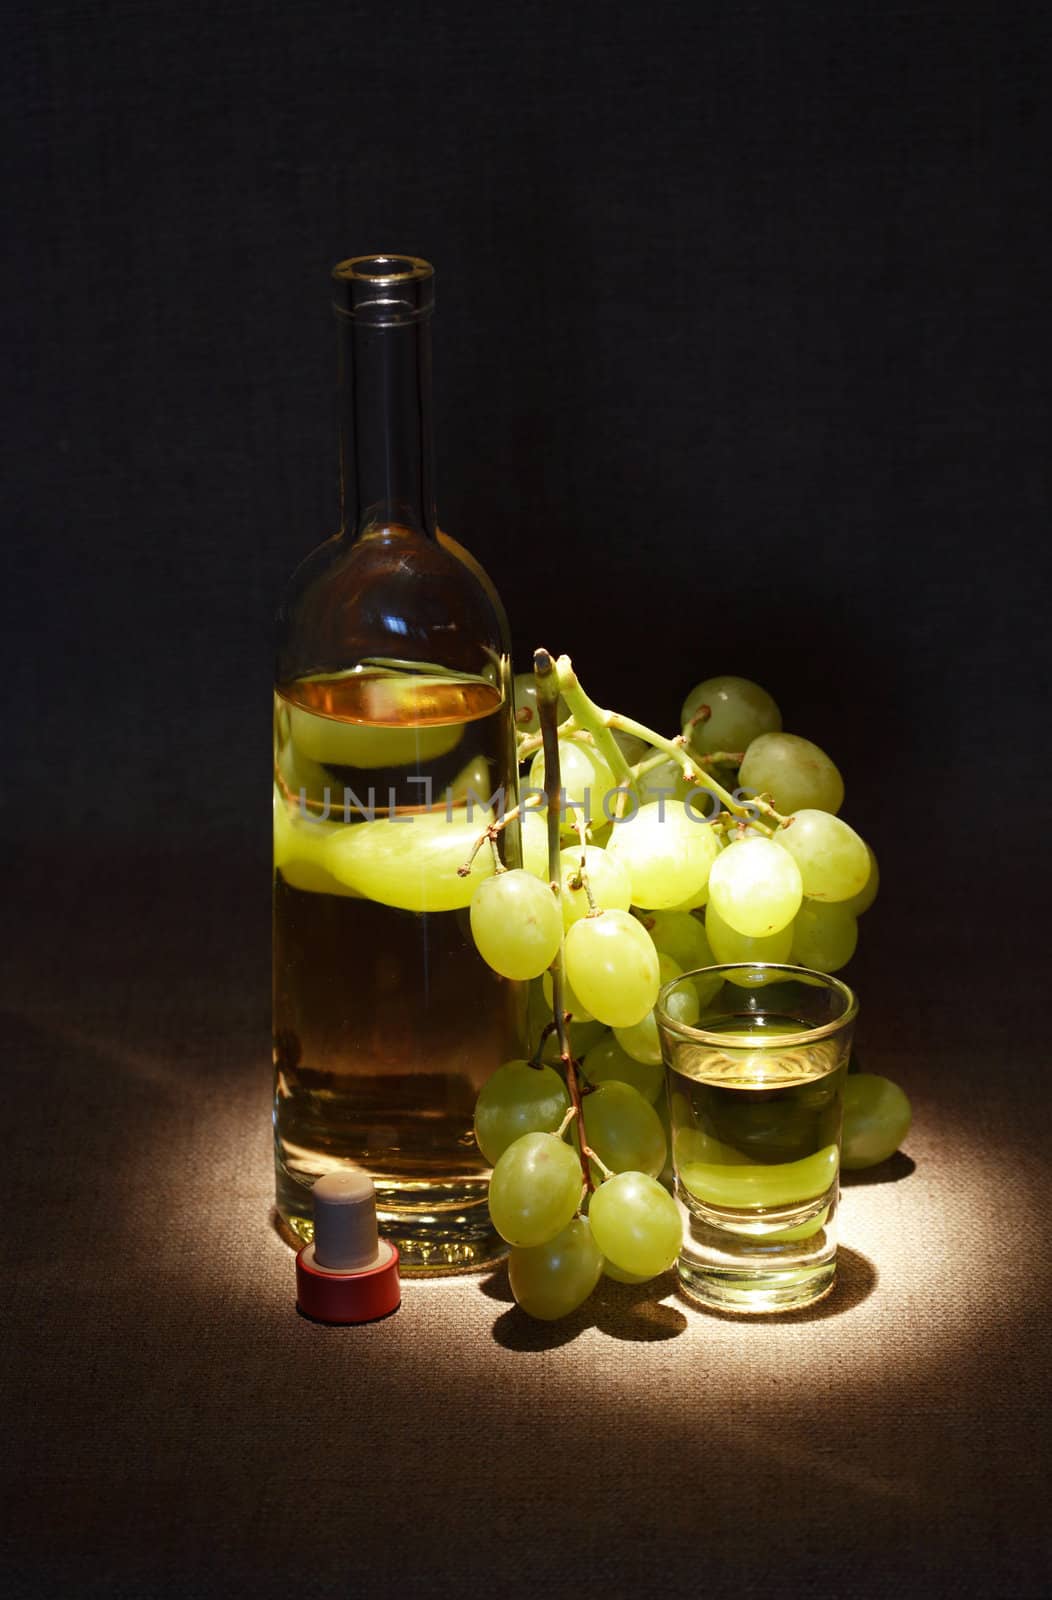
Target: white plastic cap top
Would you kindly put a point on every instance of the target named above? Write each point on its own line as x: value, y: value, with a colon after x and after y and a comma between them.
x: 345, y: 1233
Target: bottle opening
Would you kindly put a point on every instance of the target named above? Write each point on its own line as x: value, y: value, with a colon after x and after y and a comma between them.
x: 384, y: 289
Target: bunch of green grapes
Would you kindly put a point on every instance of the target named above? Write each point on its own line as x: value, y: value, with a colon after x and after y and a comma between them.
x: 793, y: 893
x: 565, y: 1234
x: 782, y: 875
x: 722, y: 847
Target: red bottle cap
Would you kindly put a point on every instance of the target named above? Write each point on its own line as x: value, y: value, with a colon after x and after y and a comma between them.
x: 348, y: 1274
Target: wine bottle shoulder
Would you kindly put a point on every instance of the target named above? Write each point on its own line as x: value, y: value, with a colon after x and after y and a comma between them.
x: 392, y: 594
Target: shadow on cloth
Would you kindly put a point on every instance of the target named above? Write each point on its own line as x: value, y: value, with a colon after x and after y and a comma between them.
x: 639, y: 1313
x: 893, y: 1170
x: 634, y: 1312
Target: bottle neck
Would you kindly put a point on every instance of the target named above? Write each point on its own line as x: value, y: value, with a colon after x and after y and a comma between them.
x: 386, y: 430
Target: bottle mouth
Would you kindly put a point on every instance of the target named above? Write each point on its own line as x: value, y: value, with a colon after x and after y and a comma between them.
x: 384, y: 289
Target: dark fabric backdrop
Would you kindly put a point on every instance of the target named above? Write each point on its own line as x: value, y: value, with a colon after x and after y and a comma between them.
x: 741, y: 354
x: 741, y: 363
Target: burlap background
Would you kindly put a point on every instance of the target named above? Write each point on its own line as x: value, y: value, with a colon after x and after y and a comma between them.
x: 743, y: 339
x: 173, y: 1427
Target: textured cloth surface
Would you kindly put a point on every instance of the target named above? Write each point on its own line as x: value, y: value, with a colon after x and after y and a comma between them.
x: 741, y: 363
x: 172, y: 1426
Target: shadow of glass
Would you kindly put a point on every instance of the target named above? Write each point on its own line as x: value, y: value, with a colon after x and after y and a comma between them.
x: 856, y: 1278
x: 893, y: 1170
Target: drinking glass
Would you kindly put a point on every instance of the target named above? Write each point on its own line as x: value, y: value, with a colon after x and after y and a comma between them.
x: 756, y: 1092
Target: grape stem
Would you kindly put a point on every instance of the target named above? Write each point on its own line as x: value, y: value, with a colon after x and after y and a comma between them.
x: 580, y: 879
x: 600, y: 724
x: 593, y: 720
x: 608, y: 1172
x: 571, y: 1112
x: 529, y: 743
x: 722, y: 758
x: 537, y: 1059
x: 546, y: 678
x: 649, y: 764
x: 493, y: 830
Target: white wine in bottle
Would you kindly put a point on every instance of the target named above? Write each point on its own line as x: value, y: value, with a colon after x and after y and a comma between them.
x: 393, y: 747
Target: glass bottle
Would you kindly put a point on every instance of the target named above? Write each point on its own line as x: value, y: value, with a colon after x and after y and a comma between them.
x: 393, y: 747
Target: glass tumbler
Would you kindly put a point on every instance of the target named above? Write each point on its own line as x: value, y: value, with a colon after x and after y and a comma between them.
x: 756, y: 1092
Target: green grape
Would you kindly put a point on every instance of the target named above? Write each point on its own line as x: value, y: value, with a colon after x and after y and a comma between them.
x: 297, y: 773
x: 667, y: 1174
x: 745, y: 828
x: 794, y: 772
x: 470, y: 787
x: 668, y: 855
x: 354, y: 744
x: 300, y: 850
x: 643, y: 1040
x: 551, y: 1280
x: 631, y: 746
x: 411, y: 862
x: 535, y: 1189
x: 668, y: 782
x: 824, y: 936
x: 673, y: 933
x: 681, y: 936
x: 571, y: 1001
x: 708, y: 987
x: 524, y: 698
x: 801, y: 1230
x: 583, y: 1035
x: 585, y: 776
x: 739, y: 711
x: 636, y: 1224
x: 695, y: 902
x: 864, y: 899
x: 623, y: 1129
x: 721, y: 1175
x: 516, y: 924
x: 610, y: 1271
x: 518, y: 1099
x: 728, y: 945
x: 612, y: 965
x: 534, y: 831
x: 833, y: 860
x: 755, y: 887
x: 606, y: 1062
x: 608, y: 879
x: 877, y: 1118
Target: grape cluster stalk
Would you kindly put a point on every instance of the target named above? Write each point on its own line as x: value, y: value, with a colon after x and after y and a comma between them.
x: 682, y: 871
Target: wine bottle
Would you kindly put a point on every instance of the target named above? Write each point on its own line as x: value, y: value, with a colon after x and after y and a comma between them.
x: 393, y: 749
